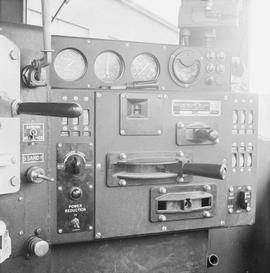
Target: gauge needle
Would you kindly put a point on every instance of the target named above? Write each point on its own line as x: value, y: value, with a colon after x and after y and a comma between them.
x: 144, y: 68
x: 107, y: 71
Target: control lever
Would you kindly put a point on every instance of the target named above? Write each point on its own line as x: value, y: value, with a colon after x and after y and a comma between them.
x: 70, y: 110
x: 215, y: 171
x: 37, y: 175
x: 10, y: 107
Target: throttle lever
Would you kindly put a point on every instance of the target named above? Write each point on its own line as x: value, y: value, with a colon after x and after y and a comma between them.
x: 215, y: 171
x: 69, y: 110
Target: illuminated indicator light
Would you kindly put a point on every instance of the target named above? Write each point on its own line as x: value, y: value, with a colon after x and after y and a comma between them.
x: 250, y: 117
x: 249, y: 160
x: 64, y: 121
x: 85, y: 117
x: 235, y: 116
x: 242, y: 114
x: 234, y: 160
x: 75, y: 121
x: 241, y: 160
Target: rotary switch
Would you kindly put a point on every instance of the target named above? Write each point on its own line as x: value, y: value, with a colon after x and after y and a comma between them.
x: 75, y: 163
x: 37, y: 246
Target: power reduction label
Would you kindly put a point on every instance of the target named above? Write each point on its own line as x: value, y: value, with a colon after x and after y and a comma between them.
x: 33, y: 132
x: 196, y: 108
x: 33, y: 158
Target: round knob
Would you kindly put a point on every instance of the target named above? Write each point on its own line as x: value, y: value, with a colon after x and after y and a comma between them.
x: 37, y: 246
x: 74, y: 164
x: 75, y: 193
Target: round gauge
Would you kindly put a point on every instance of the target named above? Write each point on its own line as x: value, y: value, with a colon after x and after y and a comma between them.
x: 185, y: 67
x: 70, y: 65
x: 144, y: 67
x: 109, y: 66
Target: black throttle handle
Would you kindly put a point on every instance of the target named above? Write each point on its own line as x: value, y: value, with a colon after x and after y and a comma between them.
x: 69, y: 110
x: 215, y: 171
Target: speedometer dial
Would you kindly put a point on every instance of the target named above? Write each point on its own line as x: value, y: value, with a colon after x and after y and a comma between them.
x: 70, y: 65
x: 185, y: 67
x: 144, y: 67
x: 109, y: 66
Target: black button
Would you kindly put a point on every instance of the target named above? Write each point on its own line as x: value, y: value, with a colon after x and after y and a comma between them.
x: 76, y: 193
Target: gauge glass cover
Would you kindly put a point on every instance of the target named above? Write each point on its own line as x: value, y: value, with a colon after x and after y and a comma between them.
x: 70, y: 65
x: 109, y: 66
x: 144, y: 67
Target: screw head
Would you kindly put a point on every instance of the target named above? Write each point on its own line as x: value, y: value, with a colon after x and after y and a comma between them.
x: 230, y: 210
x: 231, y: 189
x: 162, y: 218
x: 20, y: 198
x: 222, y: 223
x: 123, y: 156
x: 60, y: 145
x: 60, y: 230
x: 123, y: 132
x: 14, y: 181
x: 122, y: 182
x: 162, y: 190
x: 207, y: 187
x: 98, y: 235
x: 206, y: 214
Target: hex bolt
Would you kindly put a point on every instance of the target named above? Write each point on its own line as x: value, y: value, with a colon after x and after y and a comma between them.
x: 98, y: 235
x: 206, y: 214
x: 122, y: 182
x: 207, y: 188
x: 162, y: 218
x: 162, y: 190
x: 14, y: 181
x: 123, y: 156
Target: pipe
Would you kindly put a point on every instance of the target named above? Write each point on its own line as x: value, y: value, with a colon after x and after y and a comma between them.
x: 212, y: 260
x: 47, y: 40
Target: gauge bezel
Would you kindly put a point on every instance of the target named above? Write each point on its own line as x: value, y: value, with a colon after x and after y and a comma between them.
x: 171, y: 66
x: 155, y: 60
x: 84, y: 60
x: 121, y: 62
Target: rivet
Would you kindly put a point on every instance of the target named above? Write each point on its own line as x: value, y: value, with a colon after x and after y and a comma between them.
x: 98, y: 166
x: 64, y: 98
x: 21, y: 232
x: 14, y: 181
x: 20, y: 198
x: 122, y: 132
x: 122, y: 156
x: 181, y: 154
x: 231, y: 189
x: 207, y: 187
x: 60, y: 230
x: 60, y: 188
x: 60, y: 145
x: 127, y: 44
x: 75, y: 98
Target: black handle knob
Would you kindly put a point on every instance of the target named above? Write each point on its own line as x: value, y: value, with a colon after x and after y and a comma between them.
x: 215, y: 171
x: 69, y: 110
x: 75, y: 164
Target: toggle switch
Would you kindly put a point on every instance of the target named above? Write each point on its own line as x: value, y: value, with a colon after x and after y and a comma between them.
x: 37, y: 175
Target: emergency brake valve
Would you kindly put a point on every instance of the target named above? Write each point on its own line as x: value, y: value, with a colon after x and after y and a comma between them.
x: 153, y: 168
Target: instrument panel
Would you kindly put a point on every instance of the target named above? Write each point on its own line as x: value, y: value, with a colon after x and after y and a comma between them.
x: 107, y: 64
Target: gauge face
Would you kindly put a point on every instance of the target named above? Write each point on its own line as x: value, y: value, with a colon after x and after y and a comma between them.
x: 70, y: 65
x: 109, y: 66
x: 144, y: 68
x: 185, y: 67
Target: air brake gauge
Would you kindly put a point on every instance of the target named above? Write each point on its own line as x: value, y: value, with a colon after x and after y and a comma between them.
x: 185, y: 67
x: 70, y: 65
x: 144, y: 67
x: 109, y: 66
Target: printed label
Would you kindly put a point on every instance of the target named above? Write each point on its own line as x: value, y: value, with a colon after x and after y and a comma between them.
x: 33, y: 132
x: 33, y: 158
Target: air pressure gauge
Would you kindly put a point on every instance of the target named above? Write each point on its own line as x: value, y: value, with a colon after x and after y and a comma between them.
x: 185, y: 67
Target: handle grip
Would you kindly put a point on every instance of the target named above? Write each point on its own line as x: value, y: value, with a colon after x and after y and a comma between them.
x: 205, y: 170
x: 69, y: 110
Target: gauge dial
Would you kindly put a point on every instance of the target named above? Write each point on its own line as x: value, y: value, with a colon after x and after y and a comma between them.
x: 185, y: 67
x: 109, y: 66
x: 70, y: 65
x: 144, y: 67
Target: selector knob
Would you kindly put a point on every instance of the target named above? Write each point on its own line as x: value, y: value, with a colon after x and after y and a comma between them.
x: 37, y: 246
x: 37, y: 175
x: 74, y: 164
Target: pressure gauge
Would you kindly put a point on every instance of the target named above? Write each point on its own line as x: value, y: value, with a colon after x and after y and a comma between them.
x: 109, y: 66
x: 185, y: 67
x: 70, y: 65
x: 144, y: 67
